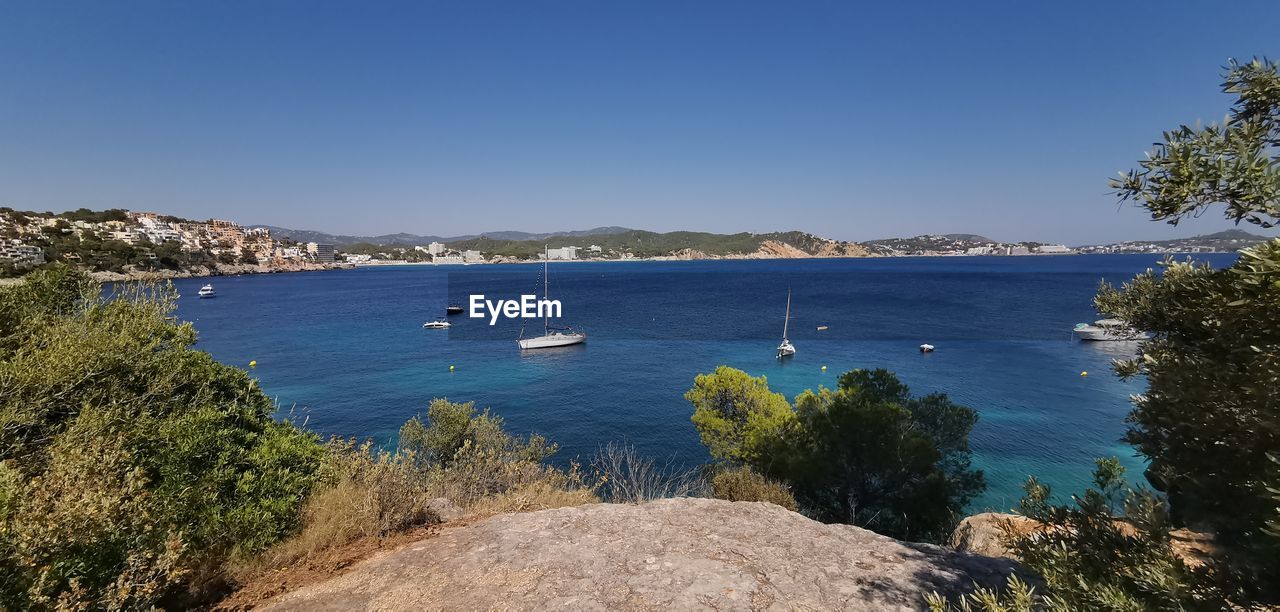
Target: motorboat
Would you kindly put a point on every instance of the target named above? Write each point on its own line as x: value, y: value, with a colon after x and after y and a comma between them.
x: 926, y: 348
x: 206, y: 292
x: 786, y: 349
x: 551, y: 336
x: 437, y: 324
x: 1107, y: 329
x: 453, y: 309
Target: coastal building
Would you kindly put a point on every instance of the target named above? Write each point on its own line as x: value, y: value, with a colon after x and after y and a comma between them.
x: 472, y: 257
x: 435, y: 248
x: 320, y: 252
x: 594, y: 249
x: 1053, y: 249
x: 20, y: 253
x: 569, y: 252
x: 1017, y: 250
x: 448, y: 259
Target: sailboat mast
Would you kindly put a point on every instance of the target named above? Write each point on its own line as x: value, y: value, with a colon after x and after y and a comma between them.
x: 787, y: 319
x: 546, y: 293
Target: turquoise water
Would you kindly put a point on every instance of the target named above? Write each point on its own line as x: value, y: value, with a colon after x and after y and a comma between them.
x: 346, y: 349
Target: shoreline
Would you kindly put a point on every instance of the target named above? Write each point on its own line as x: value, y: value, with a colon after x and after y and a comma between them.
x: 401, y: 263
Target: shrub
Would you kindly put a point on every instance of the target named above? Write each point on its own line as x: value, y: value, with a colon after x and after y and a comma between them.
x: 625, y: 477
x: 458, y: 454
x: 132, y: 463
x: 1110, y: 549
x: 744, y: 484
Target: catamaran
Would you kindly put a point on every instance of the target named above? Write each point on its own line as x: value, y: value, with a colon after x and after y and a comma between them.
x: 786, y: 349
x: 551, y: 336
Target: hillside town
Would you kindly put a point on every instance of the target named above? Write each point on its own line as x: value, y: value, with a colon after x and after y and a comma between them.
x: 120, y: 241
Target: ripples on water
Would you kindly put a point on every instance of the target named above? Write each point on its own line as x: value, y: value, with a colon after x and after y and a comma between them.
x: 347, y: 348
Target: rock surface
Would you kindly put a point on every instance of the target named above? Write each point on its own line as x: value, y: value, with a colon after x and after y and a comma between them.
x: 672, y: 553
x: 983, y: 533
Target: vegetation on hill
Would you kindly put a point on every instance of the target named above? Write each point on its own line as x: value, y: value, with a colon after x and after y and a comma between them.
x: 867, y: 453
x: 645, y: 244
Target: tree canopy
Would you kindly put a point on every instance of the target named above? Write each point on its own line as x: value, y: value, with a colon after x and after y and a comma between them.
x: 1209, y: 421
x: 867, y: 453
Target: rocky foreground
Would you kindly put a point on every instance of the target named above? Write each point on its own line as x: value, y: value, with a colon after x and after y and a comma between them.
x: 671, y: 553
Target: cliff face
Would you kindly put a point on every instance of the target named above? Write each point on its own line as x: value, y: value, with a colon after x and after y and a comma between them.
x: 671, y: 553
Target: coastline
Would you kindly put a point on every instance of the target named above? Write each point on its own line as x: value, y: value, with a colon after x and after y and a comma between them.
x: 216, y: 270
x: 506, y: 260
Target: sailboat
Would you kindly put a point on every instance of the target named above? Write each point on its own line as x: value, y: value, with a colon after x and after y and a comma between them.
x: 786, y: 349
x: 551, y: 336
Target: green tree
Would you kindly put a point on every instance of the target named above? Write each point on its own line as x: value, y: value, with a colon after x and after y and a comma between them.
x: 866, y: 453
x: 1209, y: 419
x: 737, y: 416
x: 130, y: 464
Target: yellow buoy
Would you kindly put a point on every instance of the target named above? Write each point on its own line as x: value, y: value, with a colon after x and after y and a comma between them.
x: 450, y: 368
x: 253, y: 364
x: 824, y: 368
x: 1084, y: 373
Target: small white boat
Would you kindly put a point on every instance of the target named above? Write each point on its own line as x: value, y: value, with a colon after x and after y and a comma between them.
x: 1107, y: 329
x: 206, y: 292
x: 786, y: 349
x: 926, y: 348
x: 437, y: 324
x: 551, y: 337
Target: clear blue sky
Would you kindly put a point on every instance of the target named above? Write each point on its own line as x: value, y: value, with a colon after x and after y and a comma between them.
x: 853, y: 122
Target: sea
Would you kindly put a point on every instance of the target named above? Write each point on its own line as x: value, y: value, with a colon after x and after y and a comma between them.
x: 345, y: 352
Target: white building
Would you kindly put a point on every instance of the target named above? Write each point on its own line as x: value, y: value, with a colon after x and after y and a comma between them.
x: 569, y: 252
x: 435, y: 248
x: 1053, y: 249
x: 472, y: 256
x: 320, y: 252
x: 20, y: 253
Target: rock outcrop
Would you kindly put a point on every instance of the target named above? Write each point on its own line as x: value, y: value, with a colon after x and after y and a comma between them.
x: 983, y: 533
x: 671, y: 553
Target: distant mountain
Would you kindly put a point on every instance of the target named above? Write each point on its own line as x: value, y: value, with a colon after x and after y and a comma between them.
x: 403, y: 239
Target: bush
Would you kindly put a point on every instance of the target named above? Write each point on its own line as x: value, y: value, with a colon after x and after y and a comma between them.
x: 1110, y: 549
x: 459, y: 454
x: 625, y: 477
x: 743, y: 484
x: 132, y: 464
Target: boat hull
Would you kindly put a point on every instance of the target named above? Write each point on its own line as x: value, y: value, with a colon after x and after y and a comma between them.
x: 1093, y: 333
x: 551, y: 340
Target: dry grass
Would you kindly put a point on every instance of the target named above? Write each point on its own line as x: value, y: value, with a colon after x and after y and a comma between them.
x: 627, y: 478
x: 743, y: 484
x: 379, y: 494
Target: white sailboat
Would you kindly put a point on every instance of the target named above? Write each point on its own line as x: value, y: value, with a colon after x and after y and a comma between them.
x: 786, y: 349
x: 551, y: 337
